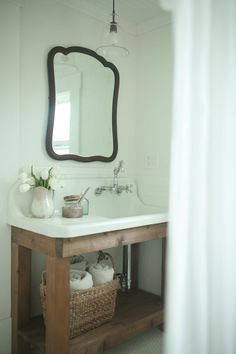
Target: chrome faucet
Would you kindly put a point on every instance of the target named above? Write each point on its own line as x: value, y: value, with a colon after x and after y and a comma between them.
x: 115, y: 188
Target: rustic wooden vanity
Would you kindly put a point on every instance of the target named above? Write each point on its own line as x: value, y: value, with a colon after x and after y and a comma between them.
x: 136, y: 310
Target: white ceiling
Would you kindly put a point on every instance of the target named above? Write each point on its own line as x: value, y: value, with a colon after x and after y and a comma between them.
x: 133, y: 11
x: 135, y: 16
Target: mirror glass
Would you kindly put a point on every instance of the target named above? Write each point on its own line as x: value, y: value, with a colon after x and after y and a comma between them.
x: 83, y: 90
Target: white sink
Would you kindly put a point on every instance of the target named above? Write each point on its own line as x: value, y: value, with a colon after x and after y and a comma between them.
x: 107, y: 212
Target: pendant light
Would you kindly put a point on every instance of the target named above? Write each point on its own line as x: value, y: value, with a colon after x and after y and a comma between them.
x: 113, y: 42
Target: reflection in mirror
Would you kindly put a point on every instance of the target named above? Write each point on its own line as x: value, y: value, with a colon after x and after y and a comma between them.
x: 82, y: 105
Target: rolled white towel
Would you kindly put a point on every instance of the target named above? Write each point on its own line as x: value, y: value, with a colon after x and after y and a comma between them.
x: 101, y: 273
x: 80, y: 280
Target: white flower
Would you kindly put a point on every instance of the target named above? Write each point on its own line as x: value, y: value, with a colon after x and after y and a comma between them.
x: 36, y: 172
x: 24, y: 187
x: 54, y: 172
x: 44, y: 174
x: 53, y: 183
x: 31, y: 181
x: 23, y: 177
x: 32, y: 177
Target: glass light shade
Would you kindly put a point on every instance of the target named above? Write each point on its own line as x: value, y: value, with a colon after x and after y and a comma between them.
x: 113, y: 42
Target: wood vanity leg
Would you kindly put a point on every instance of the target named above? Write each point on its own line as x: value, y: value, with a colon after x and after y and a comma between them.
x: 20, y: 298
x: 134, y: 265
x: 57, y: 304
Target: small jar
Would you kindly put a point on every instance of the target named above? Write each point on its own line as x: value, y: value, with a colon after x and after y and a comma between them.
x: 84, y: 203
x: 72, y: 207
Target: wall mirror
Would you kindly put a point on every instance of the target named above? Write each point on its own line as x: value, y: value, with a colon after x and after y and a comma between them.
x: 83, y: 93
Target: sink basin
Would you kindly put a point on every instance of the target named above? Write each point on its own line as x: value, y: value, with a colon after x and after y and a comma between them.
x: 107, y: 212
x: 112, y: 206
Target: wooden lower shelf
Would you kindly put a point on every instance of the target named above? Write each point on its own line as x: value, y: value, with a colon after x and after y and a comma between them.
x: 136, y: 312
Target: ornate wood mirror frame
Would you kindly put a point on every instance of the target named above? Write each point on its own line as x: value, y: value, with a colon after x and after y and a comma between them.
x: 52, y: 105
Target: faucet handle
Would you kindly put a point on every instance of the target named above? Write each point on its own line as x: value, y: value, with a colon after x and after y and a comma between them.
x: 129, y: 188
x: 98, y: 191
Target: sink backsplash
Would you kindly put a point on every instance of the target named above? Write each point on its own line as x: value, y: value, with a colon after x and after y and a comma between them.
x: 102, y: 203
x: 108, y: 204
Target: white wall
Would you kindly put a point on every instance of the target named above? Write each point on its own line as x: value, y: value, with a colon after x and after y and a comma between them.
x: 9, y: 137
x: 152, y: 140
x: 45, y: 24
x: 153, y: 119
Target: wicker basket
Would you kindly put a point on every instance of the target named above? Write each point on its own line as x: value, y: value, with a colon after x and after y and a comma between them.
x: 88, y: 308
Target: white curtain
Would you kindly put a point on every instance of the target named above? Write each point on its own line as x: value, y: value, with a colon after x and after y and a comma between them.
x: 201, y: 286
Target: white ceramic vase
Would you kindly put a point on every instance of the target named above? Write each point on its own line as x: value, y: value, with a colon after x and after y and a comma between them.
x: 42, y: 205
